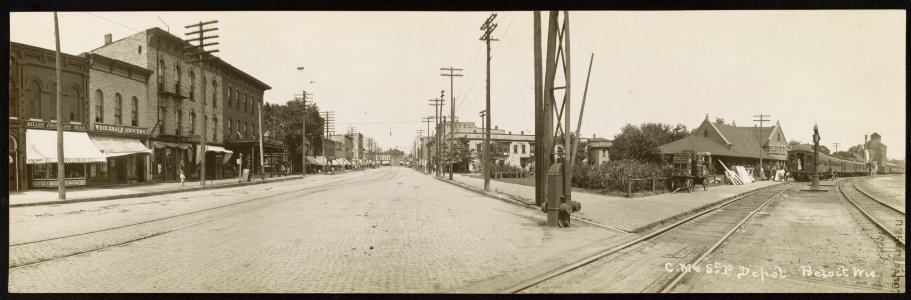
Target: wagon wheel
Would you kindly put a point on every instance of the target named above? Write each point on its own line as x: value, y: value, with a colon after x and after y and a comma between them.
x: 689, y: 185
x: 705, y: 186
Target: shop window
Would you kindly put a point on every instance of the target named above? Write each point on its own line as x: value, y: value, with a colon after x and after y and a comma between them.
x: 99, y: 106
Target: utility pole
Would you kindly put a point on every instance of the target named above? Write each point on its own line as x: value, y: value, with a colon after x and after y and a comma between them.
x: 452, y: 75
x: 329, y: 118
x: 262, y: 167
x: 541, y: 159
x: 488, y: 28
x: 482, y: 155
x: 761, y: 119
x: 303, y: 130
x: 427, y: 163
x: 201, y: 54
x: 836, y: 146
x: 61, y: 165
x: 437, y: 104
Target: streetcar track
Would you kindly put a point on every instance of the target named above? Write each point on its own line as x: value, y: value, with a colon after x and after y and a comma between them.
x: 306, y: 191
x: 648, y: 237
x: 879, y: 208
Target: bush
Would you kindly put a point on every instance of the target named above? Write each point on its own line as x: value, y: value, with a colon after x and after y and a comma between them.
x: 612, y: 176
x: 508, y: 171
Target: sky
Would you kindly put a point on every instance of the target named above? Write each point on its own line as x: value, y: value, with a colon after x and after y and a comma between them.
x: 841, y: 69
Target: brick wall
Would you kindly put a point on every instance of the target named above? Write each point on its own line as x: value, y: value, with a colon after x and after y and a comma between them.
x: 110, y: 84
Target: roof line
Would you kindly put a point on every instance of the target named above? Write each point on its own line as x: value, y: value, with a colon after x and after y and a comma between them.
x: 719, y: 133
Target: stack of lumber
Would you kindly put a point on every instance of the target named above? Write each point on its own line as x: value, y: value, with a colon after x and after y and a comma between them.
x: 732, y: 176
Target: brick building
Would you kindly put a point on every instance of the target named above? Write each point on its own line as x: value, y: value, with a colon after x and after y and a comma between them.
x: 189, y: 101
x: 118, y: 122
x: 32, y: 120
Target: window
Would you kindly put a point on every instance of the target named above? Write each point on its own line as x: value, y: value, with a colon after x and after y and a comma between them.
x: 177, y: 69
x: 99, y: 106
x: 215, y: 128
x: 75, y: 109
x: 192, y: 122
x: 135, y: 112
x: 205, y: 122
x: 523, y: 149
x: 779, y: 136
x: 204, y: 91
x: 179, y: 122
x: 140, y: 49
x: 245, y: 101
x: 230, y: 127
x: 192, y: 86
x: 118, y: 109
x: 230, y: 96
x: 705, y: 133
x: 237, y: 129
x: 515, y: 148
x: 34, y: 100
x: 162, y: 113
x: 161, y: 70
x: 214, y: 91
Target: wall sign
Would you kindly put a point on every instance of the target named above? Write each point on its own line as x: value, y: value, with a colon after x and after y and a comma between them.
x: 120, y: 130
x: 53, y: 125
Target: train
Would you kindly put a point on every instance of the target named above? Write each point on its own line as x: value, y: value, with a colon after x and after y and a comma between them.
x: 800, y: 164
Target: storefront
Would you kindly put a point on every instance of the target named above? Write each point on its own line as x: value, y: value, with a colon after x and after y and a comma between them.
x: 127, y: 157
x: 41, y: 154
x: 169, y: 159
x: 218, y: 162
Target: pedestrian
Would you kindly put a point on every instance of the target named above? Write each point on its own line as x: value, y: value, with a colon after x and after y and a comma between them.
x: 182, y: 177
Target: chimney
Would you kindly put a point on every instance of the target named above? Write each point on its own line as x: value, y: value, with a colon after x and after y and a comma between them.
x: 107, y: 39
x: 509, y: 132
x: 496, y: 127
x: 593, y: 135
x: 522, y: 132
x: 865, y: 142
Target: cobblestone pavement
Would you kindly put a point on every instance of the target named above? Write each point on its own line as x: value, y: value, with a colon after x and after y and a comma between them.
x: 821, y: 232
x: 889, y: 189
x: 400, y: 232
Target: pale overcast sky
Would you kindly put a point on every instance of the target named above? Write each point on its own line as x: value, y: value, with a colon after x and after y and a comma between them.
x: 844, y: 70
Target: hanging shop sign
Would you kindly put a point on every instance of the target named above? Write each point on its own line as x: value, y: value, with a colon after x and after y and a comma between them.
x: 120, y: 130
x: 53, y: 125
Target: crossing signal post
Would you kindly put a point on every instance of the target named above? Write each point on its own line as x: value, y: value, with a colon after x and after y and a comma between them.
x: 199, y: 54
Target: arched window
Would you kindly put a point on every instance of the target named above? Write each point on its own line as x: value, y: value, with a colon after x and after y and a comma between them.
x: 215, y: 128
x: 99, y: 106
x: 203, y: 93
x: 237, y: 129
x: 161, y: 70
x: 245, y: 101
x: 178, y: 129
x: 192, y: 86
x: 13, y: 88
x: 134, y: 104
x: 230, y: 96
x: 230, y: 127
x: 162, y: 115
x: 179, y: 75
x: 75, y: 109
x: 34, y: 100
x: 214, y: 91
x: 118, y: 109
x: 246, y: 130
x: 192, y: 122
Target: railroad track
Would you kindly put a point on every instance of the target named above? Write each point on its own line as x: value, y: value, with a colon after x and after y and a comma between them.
x: 30, y: 253
x: 703, y: 233
x: 874, y: 209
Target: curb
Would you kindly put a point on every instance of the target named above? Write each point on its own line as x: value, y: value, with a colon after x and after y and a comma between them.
x: 155, y: 193
x: 640, y: 229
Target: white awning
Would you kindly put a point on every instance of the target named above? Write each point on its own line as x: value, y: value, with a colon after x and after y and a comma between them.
x: 111, y: 146
x: 41, y: 147
x: 211, y: 148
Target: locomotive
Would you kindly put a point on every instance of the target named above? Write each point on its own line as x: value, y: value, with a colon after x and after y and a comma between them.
x: 800, y: 164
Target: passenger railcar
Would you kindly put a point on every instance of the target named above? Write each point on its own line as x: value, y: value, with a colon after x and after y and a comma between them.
x: 800, y: 164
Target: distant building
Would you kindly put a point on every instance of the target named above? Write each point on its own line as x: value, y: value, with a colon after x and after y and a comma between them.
x: 878, y: 153
x: 513, y: 149
x: 734, y: 145
x: 598, y: 150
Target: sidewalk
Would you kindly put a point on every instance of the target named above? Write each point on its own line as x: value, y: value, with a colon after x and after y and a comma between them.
x: 79, y: 194
x: 627, y: 214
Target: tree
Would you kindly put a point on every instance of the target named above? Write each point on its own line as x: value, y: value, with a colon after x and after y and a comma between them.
x: 859, y: 149
x: 824, y: 150
x: 720, y: 121
x: 843, y: 154
x: 284, y: 121
x: 582, y: 148
x: 794, y: 142
x: 633, y: 143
